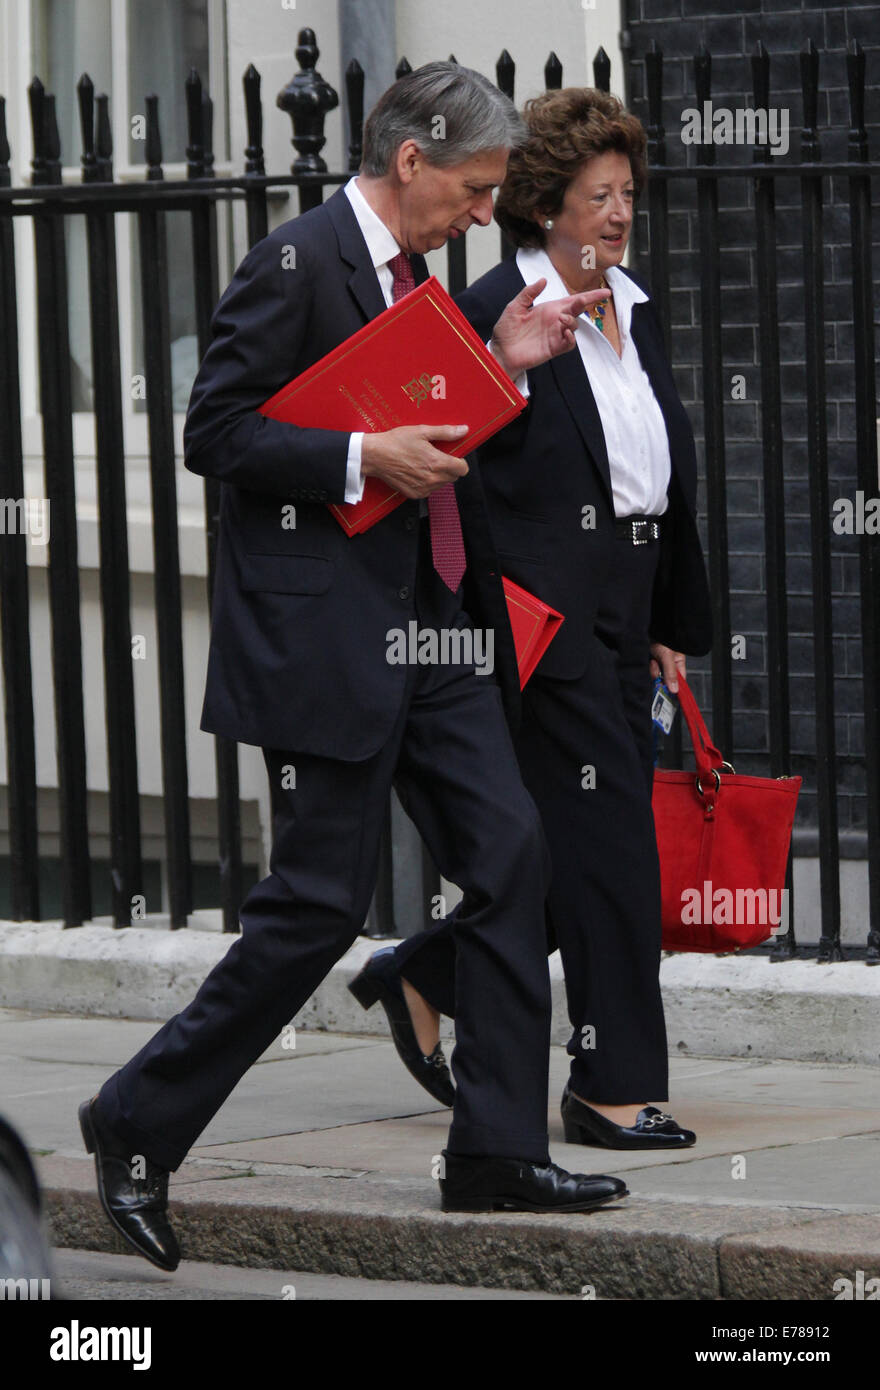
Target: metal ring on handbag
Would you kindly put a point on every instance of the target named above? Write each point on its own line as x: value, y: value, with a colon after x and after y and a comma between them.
x: 716, y: 774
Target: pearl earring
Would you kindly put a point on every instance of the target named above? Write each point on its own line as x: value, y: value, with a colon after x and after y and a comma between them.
x: 548, y: 224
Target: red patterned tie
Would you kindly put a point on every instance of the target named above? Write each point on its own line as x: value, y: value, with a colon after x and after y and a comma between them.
x: 447, y: 542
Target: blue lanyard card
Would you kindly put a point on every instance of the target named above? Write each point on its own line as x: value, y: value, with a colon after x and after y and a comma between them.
x: 662, y: 707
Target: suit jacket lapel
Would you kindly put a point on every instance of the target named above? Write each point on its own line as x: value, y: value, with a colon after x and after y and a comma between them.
x: 653, y: 359
x: 363, y: 283
x: 574, y: 387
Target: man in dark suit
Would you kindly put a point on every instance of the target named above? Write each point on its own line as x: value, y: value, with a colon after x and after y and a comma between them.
x: 298, y: 665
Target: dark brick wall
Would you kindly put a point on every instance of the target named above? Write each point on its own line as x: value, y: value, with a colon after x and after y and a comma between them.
x: 680, y: 27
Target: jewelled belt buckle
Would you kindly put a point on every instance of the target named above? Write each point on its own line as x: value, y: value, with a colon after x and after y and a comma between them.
x: 644, y: 530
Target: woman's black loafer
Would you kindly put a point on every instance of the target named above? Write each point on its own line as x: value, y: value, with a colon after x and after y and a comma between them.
x: 653, y: 1129
x: 380, y: 980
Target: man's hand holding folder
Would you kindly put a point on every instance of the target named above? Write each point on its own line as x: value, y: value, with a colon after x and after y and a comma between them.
x: 407, y: 460
x: 525, y: 336
x: 398, y: 380
x: 385, y: 381
x: 401, y: 377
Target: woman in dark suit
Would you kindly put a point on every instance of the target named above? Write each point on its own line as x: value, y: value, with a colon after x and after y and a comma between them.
x: 592, y: 497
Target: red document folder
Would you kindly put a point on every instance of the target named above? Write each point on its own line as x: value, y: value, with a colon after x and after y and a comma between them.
x: 386, y: 375
x: 534, y: 625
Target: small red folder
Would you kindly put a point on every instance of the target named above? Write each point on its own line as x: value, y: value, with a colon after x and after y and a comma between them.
x: 534, y: 626
x: 418, y: 363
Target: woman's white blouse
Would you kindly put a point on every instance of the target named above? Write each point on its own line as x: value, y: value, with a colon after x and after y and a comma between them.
x: 632, y: 421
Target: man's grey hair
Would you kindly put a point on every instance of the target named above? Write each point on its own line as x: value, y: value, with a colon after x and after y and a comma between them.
x: 451, y: 112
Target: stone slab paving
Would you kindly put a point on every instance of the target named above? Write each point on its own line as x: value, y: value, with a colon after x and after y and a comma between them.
x: 324, y: 1158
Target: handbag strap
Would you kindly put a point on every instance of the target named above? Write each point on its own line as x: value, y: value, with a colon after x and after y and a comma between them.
x: 705, y: 752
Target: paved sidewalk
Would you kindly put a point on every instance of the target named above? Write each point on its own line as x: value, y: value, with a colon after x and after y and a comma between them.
x: 322, y: 1161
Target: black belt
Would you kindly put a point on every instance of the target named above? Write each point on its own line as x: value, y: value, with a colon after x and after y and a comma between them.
x: 638, y: 530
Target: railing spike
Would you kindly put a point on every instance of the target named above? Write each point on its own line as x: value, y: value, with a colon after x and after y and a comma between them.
x: 552, y: 73
x: 85, y: 91
x: 654, y: 83
x: 602, y: 70
x: 760, y: 84
x: 104, y: 138
x: 855, y: 72
x: 195, y: 150
x: 208, y: 134
x: 809, y: 64
x: 37, y: 105
x: 53, y: 141
x: 505, y: 73
x: 253, y: 106
x: 354, y: 90
x: 5, y: 152
x: 153, y: 151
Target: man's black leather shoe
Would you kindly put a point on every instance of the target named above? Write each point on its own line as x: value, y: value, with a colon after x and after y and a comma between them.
x: 380, y: 979
x: 517, y: 1184
x: 653, y: 1129
x: 137, y: 1207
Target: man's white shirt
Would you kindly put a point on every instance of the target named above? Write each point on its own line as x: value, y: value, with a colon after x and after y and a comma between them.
x: 382, y: 248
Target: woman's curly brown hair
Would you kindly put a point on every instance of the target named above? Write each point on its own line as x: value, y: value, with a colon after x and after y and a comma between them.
x: 566, y: 129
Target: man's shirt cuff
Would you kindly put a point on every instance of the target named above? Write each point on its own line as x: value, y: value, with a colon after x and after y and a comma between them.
x: 354, y: 479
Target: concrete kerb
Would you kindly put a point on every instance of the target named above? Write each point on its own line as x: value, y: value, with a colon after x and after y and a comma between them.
x: 641, y: 1250
x: 716, y: 1006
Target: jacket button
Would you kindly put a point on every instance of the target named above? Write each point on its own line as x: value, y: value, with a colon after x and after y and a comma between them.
x: 410, y: 523
x: 404, y: 592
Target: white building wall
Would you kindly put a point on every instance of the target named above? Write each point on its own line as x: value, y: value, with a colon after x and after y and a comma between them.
x: 264, y: 32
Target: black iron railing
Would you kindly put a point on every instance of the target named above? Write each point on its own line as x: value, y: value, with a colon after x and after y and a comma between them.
x: 49, y: 204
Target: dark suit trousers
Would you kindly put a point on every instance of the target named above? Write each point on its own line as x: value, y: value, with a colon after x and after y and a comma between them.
x: 604, y: 897
x: 452, y: 762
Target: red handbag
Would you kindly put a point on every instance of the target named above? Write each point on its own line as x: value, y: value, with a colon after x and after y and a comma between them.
x: 723, y: 841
